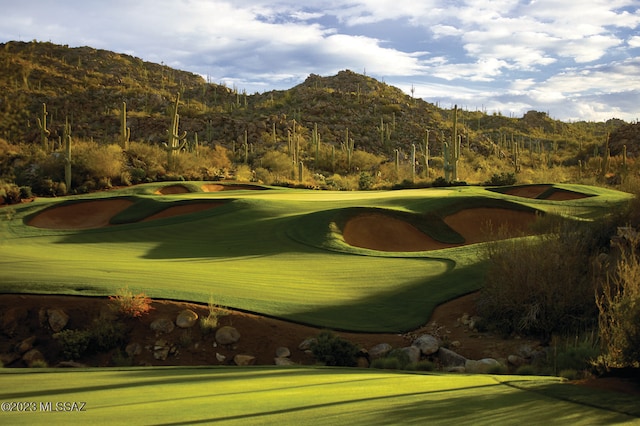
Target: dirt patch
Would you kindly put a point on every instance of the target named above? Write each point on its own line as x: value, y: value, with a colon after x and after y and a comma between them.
x: 82, y: 215
x: 182, y: 209
x: 487, y: 224
x: 564, y: 195
x: 172, y: 189
x: 377, y: 231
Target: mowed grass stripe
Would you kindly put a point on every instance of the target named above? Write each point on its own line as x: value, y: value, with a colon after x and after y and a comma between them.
x: 292, y: 396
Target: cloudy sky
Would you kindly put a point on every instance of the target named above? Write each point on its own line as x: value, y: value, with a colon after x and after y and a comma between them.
x: 575, y: 59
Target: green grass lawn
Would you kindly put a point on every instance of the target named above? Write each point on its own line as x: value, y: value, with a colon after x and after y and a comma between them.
x: 274, y: 252
x: 319, y: 396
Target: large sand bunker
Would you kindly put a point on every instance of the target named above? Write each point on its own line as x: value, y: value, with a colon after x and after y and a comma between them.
x: 215, y: 187
x: 381, y: 232
x: 82, y: 215
x: 98, y: 213
x: 172, y: 189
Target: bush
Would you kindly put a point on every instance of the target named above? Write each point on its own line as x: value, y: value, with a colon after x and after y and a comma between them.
x: 106, y: 335
x: 333, y: 350
x: 539, y: 286
x: 526, y: 370
x: 129, y: 304
x: 502, y: 179
x: 74, y: 343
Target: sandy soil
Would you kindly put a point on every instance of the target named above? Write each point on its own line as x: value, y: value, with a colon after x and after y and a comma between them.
x: 83, y: 215
x: 534, y: 191
x: 182, y: 209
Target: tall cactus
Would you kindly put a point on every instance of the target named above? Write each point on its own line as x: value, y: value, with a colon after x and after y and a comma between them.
x: 42, y: 125
x: 425, y: 153
x: 67, y: 154
x: 451, y: 152
x: 315, y: 139
x: 413, y: 162
x: 125, y: 132
x: 175, y: 141
x: 349, y: 146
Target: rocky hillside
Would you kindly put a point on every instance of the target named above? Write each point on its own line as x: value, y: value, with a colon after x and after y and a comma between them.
x: 87, y: 86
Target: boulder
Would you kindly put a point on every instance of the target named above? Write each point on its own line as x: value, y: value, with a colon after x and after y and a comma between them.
x: 307, y: 343
x: 133, y: 349
x: 186, y: 318
x: 25, y: 345
x: 227, y: 335
x: 283, y: 361
x: 283, y: 352
x: 32, y: 357
x: 449, y: 358
x: 379, y: 350
x: 12, y: 318
x: 413, y: 353
x: 243, y: 360
x: 57, y: 318
x: 482, y: 366
x: 516, y: 360
x: 220, y: 357
x: 162, y: 326
x: 427, y: 344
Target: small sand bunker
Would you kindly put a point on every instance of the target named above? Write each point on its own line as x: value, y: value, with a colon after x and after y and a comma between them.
x: 172, y: 189
x: 180, y: 210
x: 377, y: 231
x: 487, y: 224
x: 535, y: 191
x: 82, y: 215
x: 214, y: 187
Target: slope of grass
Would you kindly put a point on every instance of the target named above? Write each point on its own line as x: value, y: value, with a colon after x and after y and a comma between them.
x: 270, y: 395
x: 273, y: 252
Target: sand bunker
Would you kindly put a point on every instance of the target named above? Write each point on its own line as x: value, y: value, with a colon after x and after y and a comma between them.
x: 214, y: 187
x: 83, y: 215
x: 182, y: 209
x: 376, y: 231
x: 172, y: 189
x: 486, y: 224
x: 535, y: 191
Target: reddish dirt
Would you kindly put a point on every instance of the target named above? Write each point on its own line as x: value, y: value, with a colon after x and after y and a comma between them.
x: 534, y: 191
x: 172, y: 189
x: 483, y: 224
x: 214, y: 187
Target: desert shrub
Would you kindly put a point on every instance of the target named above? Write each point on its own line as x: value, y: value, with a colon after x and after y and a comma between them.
x: 39, y: 363
x: 333, y: 350
x: 424, y: 365
x: 618, y: 304
x: 539, y: 286
x: 121, y: 359
x: 9, y: 193
x: 106, y: 335
x: 74, y: 343
x: 526, y: 370
x: 498, y: 369
x: 129, y: 304
x: 440, y: 182
x: 209, y: 323
x: 569, y: 374
x: 502, y: 179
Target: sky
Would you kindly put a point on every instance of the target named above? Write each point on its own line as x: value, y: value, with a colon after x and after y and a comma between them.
x: 575, y: 60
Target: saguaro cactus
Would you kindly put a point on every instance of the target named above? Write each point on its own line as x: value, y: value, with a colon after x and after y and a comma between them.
x: 42, y: 125
x: 175, y: 141
x: 425, y: 152
x: 67, y: 153
x: 125, y: 132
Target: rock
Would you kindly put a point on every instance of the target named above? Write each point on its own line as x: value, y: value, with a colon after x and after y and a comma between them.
x: 227, y: 335
x: 186, y: 318
x: 133, y: 349
x: 161, y: 354
x: 283, y: 352
x: 6, y: 359
x: 362, y: 362
x: 243, y: 360
x: 159, y: 344
x: 449, y: 358
x: 482, y: 366
x: 455, y: 370
x: 162, y: 326
x: 283, y: 361
x: 32, y: 357
x: 456, y: 344
x: 413, y: 353
x: 427, y: 344
x: 379, y: 350
x: 220, y: 357
x: 516, y: 360
x: 25, y: 345
x: 58, y: 319
x: 12, y: 318
x: 307, y: 343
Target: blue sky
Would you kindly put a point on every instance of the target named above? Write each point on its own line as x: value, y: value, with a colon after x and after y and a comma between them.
x: 576, y: 60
